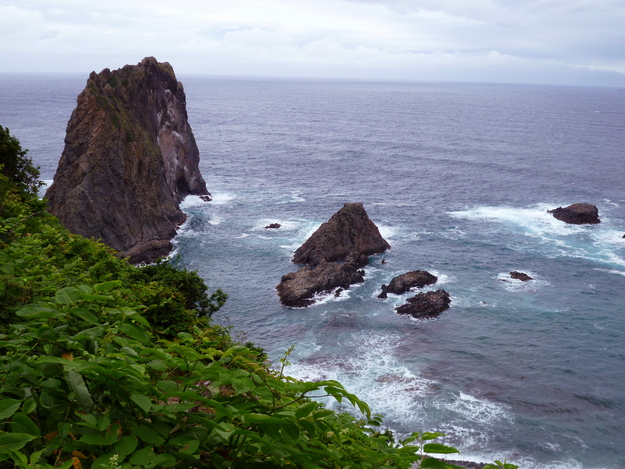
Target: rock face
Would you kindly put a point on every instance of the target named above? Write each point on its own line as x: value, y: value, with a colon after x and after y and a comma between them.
x: 297, y: 289
x: 577, y: 214
x: 404, y: 282
x: 426, y: 305
x: 520, y: 276
x: 130, y: 158
x: 349, y: 231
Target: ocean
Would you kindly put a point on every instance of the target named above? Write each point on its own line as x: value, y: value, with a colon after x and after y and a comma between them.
x: 459, y: 178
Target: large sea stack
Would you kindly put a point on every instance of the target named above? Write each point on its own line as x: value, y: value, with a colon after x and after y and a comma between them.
x: 130, y: 158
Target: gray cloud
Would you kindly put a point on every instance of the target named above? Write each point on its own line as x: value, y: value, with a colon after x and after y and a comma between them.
x: 544, y: 41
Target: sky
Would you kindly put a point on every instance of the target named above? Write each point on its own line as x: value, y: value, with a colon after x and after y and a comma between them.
x: 566, y: 42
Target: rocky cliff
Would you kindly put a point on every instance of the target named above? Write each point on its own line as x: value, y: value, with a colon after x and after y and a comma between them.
x: 130, y: 158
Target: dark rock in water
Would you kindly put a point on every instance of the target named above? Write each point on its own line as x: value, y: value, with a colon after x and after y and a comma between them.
x: 273, y: 225
x: 404, y: 282
x: 348, y: 231
x: 520, y: 276
x: 130, y: 158
x: 426, y: 305
x: 206, y: 198
x: 577, y: 214
x: 298, y: 288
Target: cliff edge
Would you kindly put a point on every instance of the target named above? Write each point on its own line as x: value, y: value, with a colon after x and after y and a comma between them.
x: 130, y: 158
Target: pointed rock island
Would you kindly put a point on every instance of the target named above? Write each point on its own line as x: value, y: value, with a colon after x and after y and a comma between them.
x: 130, y: 158
x: 334, y: 254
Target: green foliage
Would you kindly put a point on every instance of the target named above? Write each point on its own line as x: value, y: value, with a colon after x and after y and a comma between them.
x: 81, y: 380
x: 179, y: 290
x: 16, y: 165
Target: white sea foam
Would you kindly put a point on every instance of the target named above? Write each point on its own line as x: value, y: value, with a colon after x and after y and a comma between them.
x: 222, y: 198
x: 192, y: 201
x: 516, y: 285
x: 596, y: 242
x: 372, y: 372
x: 293, y: 197
x: 285, y: 225
x: 387, y: 232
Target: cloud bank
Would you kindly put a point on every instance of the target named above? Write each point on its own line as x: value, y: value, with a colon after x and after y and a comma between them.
x: 513, y: 41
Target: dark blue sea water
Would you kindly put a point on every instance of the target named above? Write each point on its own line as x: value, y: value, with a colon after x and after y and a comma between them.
x: 458, y: 178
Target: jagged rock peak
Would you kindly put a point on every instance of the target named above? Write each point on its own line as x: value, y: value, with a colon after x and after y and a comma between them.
x: 130, y: 157
x: 348, y: 232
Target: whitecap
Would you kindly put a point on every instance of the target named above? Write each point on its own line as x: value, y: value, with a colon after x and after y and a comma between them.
x: 222, y: 198
x: 293, y: 197
x: 516, y: 285
x: 192, y: 201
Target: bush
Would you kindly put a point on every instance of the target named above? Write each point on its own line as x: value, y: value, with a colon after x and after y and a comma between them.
x: 16, y: 165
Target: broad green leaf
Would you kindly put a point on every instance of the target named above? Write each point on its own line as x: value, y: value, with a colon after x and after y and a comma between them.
x: 431, y: 435
x: 83, y: 396
x: 305, y: 409
x: 8, y: 407
x: 134, y: 331
x: 437, y: 448
x: 158, y: 365
x: 67, y: 296
x: 190, y: 447
x: 14, y: 441
x: 85, y: 315
x: 29, y: 406
x: 92, y: 297
x: 94, y: 439
x: 23, y: 424
x: 142, y: 401
x: 107, y: 286
x: 166, y: 385
x: 126, y: 445
x: 143, y: 457
x: 37, y: 312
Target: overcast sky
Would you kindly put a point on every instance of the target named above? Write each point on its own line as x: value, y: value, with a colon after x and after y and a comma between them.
x: 492, y: 41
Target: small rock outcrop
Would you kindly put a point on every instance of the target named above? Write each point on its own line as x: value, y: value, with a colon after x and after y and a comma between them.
x: 404, y: 282
x: 577, y: 214
x: 520, y: 276
x: 130, y: 158
x: 426, y: 305
x: 335, y: 255
x: 349, y: 231
x: 297, y: 289
x: 273, y: 226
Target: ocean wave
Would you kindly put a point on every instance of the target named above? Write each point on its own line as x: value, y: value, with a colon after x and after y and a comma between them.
x: 597, y: 243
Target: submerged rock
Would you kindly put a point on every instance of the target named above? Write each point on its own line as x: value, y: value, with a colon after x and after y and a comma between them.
x: 404, y: 282
x: 130, y: 158
x: 577, y: 214
x: 297, y: 289
x: 520, y: 276
x: 426, y: 305
x: 349, y: 231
